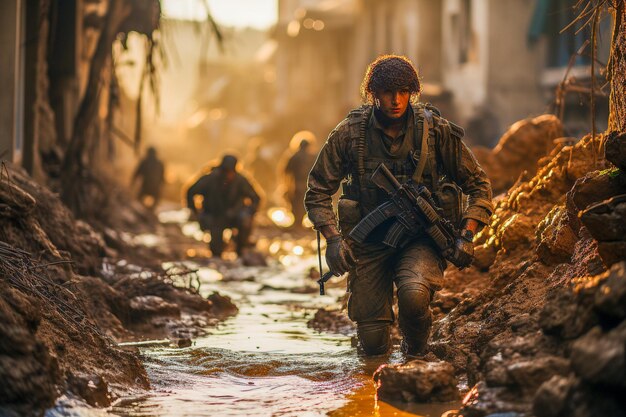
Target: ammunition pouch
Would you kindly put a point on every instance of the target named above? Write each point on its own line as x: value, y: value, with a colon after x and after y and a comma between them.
x: 450, y: 199
x: 349, y: 213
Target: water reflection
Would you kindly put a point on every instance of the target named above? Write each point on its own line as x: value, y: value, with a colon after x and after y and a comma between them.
x: 265, y: 361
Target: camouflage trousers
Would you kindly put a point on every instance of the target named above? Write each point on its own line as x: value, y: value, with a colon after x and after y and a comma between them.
x: 417, y: 272
x: 241, y: 221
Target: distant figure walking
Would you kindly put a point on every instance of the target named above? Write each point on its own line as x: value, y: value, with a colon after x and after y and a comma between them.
x: 295, y: 177
x: 229, y: 202
x: 260, y: 163
x: 151, y: 173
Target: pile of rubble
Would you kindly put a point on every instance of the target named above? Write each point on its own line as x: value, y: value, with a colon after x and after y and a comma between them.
x: 543, y: 331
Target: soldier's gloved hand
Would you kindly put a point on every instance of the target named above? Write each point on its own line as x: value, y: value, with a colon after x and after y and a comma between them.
x: 465, y: 249
x: 339, y: 256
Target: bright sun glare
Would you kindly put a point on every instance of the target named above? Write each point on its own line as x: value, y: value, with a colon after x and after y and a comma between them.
x: 260, y: 14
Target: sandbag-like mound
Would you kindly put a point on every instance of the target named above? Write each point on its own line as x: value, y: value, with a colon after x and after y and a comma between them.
x: 518, y: 150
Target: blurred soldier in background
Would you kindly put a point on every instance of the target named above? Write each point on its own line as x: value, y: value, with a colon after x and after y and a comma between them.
x: 151, y: 172
x: 260, y: 163
x: 229, y: 202
x: 295, y: 172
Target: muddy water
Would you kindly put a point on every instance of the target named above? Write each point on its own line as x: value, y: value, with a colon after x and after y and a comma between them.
x: 265, y: 361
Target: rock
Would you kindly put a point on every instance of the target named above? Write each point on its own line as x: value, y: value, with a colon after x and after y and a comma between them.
x: 332, y: 320
x: 612, y: 252
x: 446, y: 300
x: 483, y: 400
x: 563, y: 316
x: 484, y: 256
x: 521, y: 322
x: 147, y: 306
x: 552, y: 396
x: 556, y: 237
x: 518, y: 231
x: 606, y: 220
x: 595, y: 187
x: 92, y: 388
x: 530, y: 374
x: 222, y: 305
x: 518, y: 150
x: 615, y: 149
x: 417, y: 381
x: 611, y: 297
x: 496, y: 374
x: 184, y: 342
x: 571, y: 397
x: 599, y: 357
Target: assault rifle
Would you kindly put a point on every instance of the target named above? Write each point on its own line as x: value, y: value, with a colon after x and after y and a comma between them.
x: 414, y: 211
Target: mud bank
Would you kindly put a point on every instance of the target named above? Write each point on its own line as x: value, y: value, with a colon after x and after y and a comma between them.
x: 536, y: 326
x: 520, y: 340
x: 67, y: 297
x: 542, y: 336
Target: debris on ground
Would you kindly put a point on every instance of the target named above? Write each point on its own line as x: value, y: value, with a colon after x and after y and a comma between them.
x: 65, y: 302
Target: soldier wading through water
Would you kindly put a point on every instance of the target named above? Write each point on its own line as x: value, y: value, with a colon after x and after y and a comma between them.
x: 388, y: 129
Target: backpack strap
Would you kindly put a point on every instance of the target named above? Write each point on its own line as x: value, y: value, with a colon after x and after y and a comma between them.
x: 357, y: 121
x: 427, y: 121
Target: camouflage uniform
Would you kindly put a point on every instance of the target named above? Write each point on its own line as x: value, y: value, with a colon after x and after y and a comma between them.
x: 225, y: 206
x: 296, y: 172
x: 151, y: 172
x: 416, y: 268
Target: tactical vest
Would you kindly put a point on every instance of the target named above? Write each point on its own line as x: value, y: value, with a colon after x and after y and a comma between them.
x: 360, y: 195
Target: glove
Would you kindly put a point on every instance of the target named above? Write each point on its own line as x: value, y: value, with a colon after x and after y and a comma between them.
x: 339, y: 256
x: 464, y: 249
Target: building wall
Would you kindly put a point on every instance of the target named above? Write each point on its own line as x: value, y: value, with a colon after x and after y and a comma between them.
x: 427, y: 39
x: 319, y: 72
x: 313, y: 68
x: 11, y: 68
x: 516, y: 92
x: 466, y: 79
x: 406, y: 27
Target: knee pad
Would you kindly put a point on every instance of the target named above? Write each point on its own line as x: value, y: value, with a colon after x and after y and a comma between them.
x: 374, y: 337
x: 414, y: 301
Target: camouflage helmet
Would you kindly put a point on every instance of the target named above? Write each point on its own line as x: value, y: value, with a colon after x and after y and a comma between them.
x: 229, y: 162
x: 390, y: 72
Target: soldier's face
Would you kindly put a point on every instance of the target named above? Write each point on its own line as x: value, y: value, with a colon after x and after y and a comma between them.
x: 393, y: 103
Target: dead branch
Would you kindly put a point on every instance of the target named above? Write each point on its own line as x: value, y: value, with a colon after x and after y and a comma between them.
x: 21, y: 271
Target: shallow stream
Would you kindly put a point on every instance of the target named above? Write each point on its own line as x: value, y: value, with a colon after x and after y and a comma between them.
x: 265, y: 361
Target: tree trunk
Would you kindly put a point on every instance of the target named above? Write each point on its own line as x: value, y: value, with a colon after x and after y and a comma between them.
x: 617, y: 71
x: 72, y: 174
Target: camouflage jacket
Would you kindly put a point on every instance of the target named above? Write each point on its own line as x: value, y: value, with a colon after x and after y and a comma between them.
x: 219, y: 197
x: 335, y: 164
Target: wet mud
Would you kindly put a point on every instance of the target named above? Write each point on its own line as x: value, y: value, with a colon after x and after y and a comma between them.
x: 65, y: 303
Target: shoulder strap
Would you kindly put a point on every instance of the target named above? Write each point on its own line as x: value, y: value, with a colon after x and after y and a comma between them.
x: 358, y: 120
x: 426, y: 122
